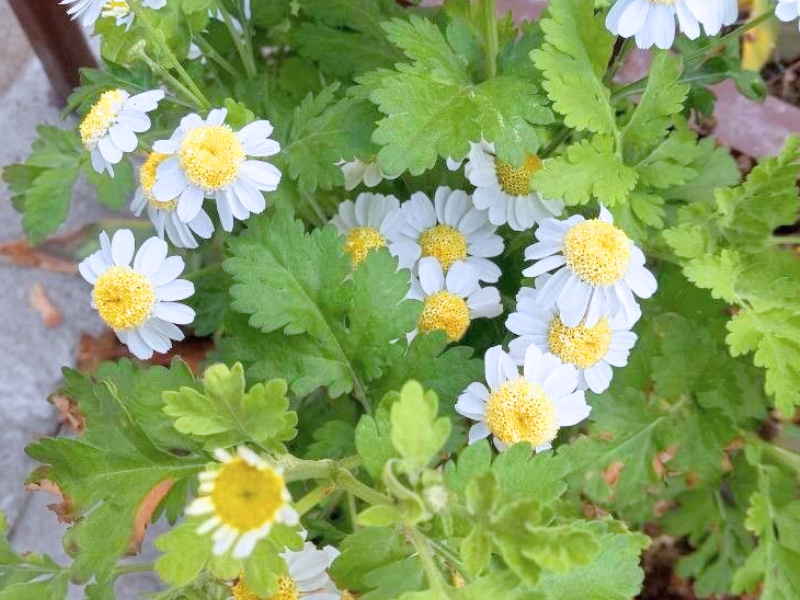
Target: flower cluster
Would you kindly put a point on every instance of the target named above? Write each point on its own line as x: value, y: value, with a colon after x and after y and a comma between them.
x: 445, y: 243
x: 572, y: 327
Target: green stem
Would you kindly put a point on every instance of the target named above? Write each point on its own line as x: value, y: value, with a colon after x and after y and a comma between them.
x: 346, y: 480
x: 784, y: 239
x: 421, y: 543
x: 486, y: 16
x: 208, y: 50
x: 451, y: 557
x: 336, y: 471
x: 639, y: 85
x: 785, y: 457
x: 158, y: 39
x: 619, y: 60
x: 315, y: 208
x: 194, y: 101
x: 245, y: 53
x: 559, y: 138
x: 314, y: 497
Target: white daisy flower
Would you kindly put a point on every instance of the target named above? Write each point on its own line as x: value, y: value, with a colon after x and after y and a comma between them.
x: 451, y: 302
x: 372, y: 221
x: 307, y: 577
x: 209, y: 160
x: 450, y: 229
x: 591, y: 350
x: 122, y: 12
x: 109, y: 128
x: 357, y: 171
x: 653, y: 21
x: 598, y: 269
x: 162, y: 214
x: 244, y: 498
x: 138, y: 302
x: 505, y: 191
x: 88, y: 9
x: 788, y: 10
x: 523, y: 408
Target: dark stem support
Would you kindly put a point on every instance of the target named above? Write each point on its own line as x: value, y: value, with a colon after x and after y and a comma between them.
x: 58, y: 42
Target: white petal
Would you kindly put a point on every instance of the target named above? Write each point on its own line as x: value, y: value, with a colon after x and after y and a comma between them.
x: 123, y: 138
x: 180, y: 289
x: 122, y: 247
x: 174, y: 312
x: 478, y: 431
x: 190, y: 203
x: 150, y: 256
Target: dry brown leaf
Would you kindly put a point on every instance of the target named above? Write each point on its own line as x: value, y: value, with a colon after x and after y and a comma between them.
x: 612, y: 472
x: 63, y: 508
x: 51, y: 316
x: 23, y: 254
x: 145, y: 513
x: 68, y: 412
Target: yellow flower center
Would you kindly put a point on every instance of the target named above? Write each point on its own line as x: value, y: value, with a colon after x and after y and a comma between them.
x: 287, y: 590
x: 516, y: 181
x: 520, y: 411
x: 246, y: 497
x: 580, y: 345
x: 361, y: 240
x: 123, y: 297
x: 447, y: 312
x: 101, y: 117
x: 445, y: 243
x: 211, y: 156
x: 597, y: 252
x: 147, y: 178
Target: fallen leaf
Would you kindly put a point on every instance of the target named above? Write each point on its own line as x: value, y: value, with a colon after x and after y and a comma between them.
x: 68, y: 412
x: 23, y: 254
x: 51, y: 316
x: 63, y: 508
x: 145, y: 513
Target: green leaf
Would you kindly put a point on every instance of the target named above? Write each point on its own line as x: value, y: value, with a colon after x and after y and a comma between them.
x: 334, y: 439
x: 347, y: 325
x: 374, y: 437
x: 434, y: 110
x: 28, y: 576
x: 227, y: 416
x: 185, y: 553
x: 380, y: 515
x: 116, y: 462
x: 573, y: 176
x: 613, y: 573
x: 322, y: 132
x: 211, y: 299
x: 574, y: 57
x: 417, y: 433
x: 112, y: 192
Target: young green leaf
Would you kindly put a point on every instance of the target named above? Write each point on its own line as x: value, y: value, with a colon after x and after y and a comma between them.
x: 417, y: 433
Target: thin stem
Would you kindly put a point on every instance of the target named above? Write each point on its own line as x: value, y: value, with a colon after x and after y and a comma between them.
x: 338, y: 472
x: 208, y: 50
x: 352, y: 511
x: 347, y: 481
x: 156, y: 67
x: 619, y: 60
x: 451, y: 557
x: 488, y: 20
x: 784, y: 239
x: 421, y: 543
x: 785, y: 457
x: 560, y: 137
x: 313, y: 498
x: 315, y: 208
x: 187, y: 80
x: 245, y: 53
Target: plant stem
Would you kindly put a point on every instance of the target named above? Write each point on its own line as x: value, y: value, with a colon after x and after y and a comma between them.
x: 346, y: 480
x: 639, y: 85
x: 486, y: 15
x: 157, y: 37
x: 209, y: 51
x: 784, y: 239
x: 245, y: 53
x: 785, y: 457
x: 338, y: 472
x: 619, y: 60
x: 156, y: 67
x: 314, y: 497
x: 421, y: 543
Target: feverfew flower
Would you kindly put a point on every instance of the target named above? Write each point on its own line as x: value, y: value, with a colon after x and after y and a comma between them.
x: 357, y: 171
x: 88, y: 9
x: 138, y: 302
x: 122, y: 12
x: 372, y: 221
x: 307, y: 577
x: 598, y: 269
x: 653, y: 21
x: 450, y: 229
x: 209, y: 160
x: 505, y: 191
x: 592, y: 350
x: 523, y: 408
x: 109, y: 128
x: 452, y: 302
x: 243, y: 498
x: 163, y: 214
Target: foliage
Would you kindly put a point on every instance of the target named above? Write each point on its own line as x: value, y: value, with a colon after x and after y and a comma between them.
x: 316, y: 362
